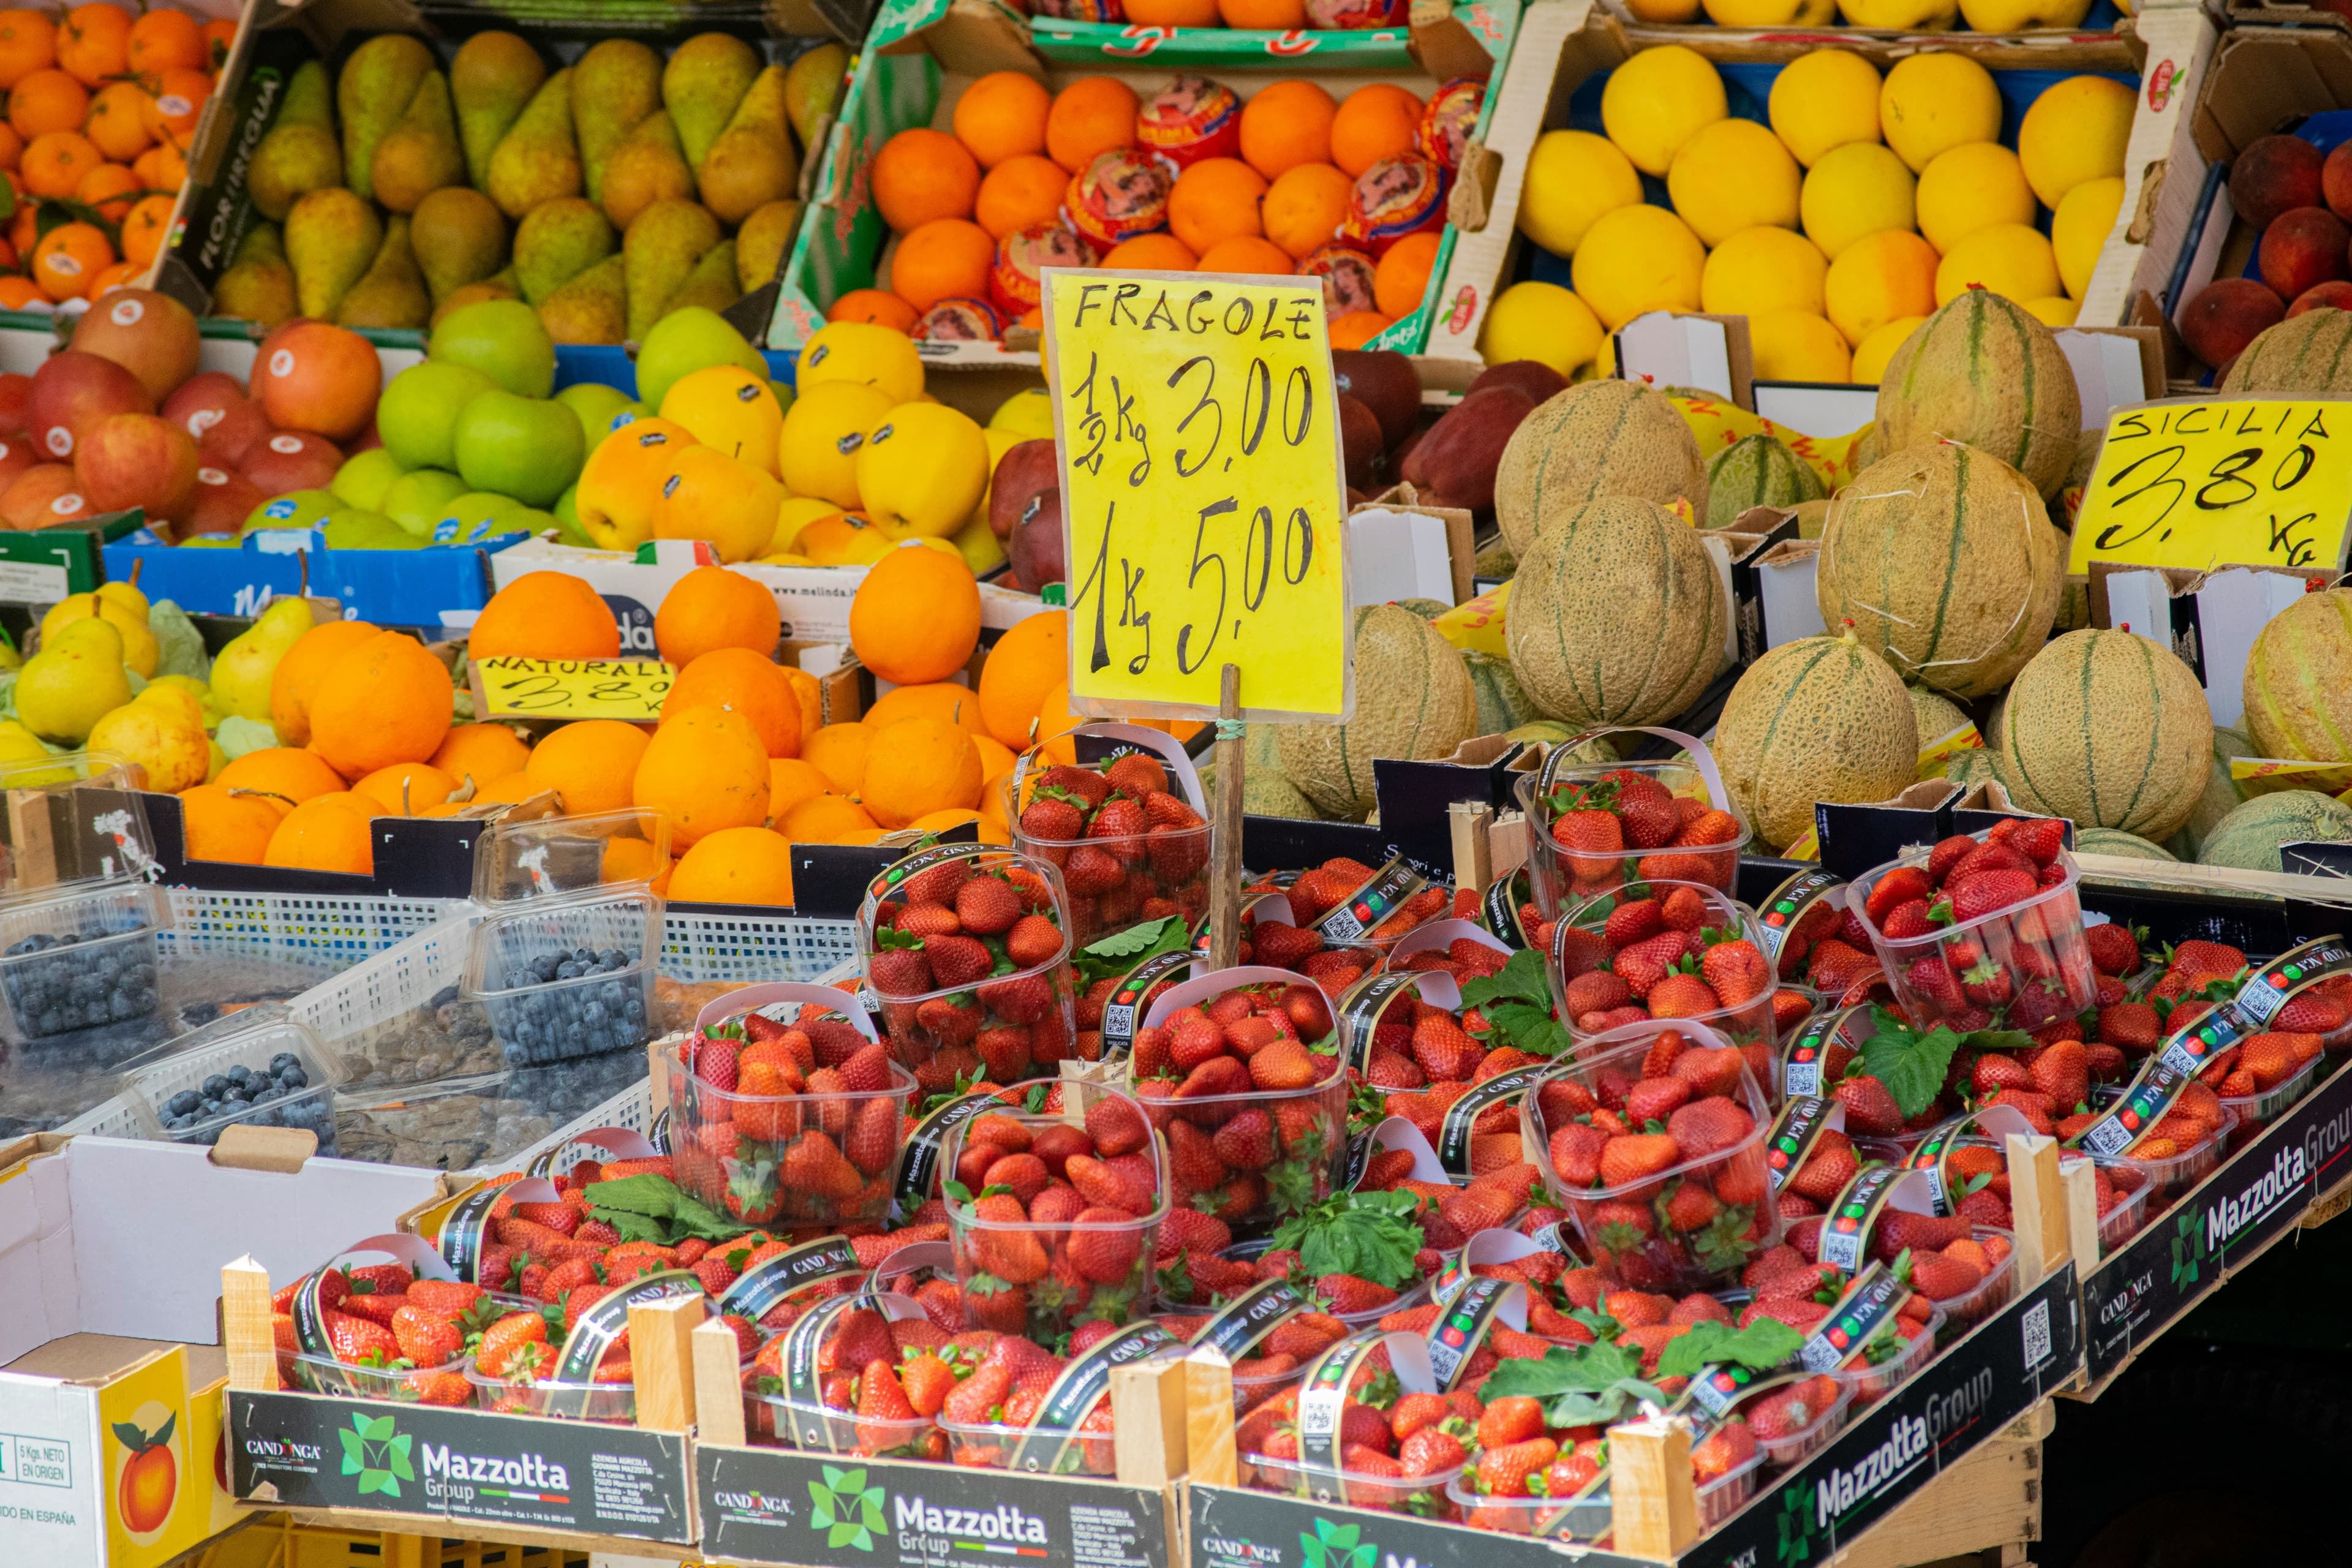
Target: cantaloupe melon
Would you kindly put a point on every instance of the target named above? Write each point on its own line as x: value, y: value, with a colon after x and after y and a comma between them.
x: 1992, y: 727
x: 1271, y: 795
x: 2222, y: 793
x: 1977, y: 766
x: 1756, y: 470
x: 1617, y: 615
x: 2115, y: 841
x: 1598, y: 438
x: 1935, y: 714
x: 2298, y: 684
x: 1495, y: 560
x: 2308, y: 355
x: 2109, y: 728
x: 1812, y: 517
x: 2250, y: 836
x: 1502, y: 705
x: 1414, y: 701
x: 1427, y: 609
x: 1944, y: 560
x: 1985, y: 370
x: 1819, y: 719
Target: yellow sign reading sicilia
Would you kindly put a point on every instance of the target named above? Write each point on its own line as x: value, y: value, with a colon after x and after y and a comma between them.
x: 2197, y: 483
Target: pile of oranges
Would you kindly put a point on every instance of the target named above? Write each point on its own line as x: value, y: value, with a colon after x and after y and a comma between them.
x: 1263, y: 16
x: 1191, y: 179
x: 101, y: 107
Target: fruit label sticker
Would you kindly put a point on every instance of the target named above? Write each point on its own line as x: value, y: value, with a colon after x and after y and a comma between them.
x: 2142, y: 1105
x: 1462, y: 1326
x: 1802, y: 1064
x: 1371, y: 904
x: 1197, y: 422
x: 1127, y: 1004
x: 1801, y: 906
x: 1361, y: 1004
x: 1243, y: 1324
x: 597, y: 1330
x: 1867, y: 1305
x: 1718, y: 1388
x: 773, y: 1278
x: 1050, y: 1448
x: 458, y: 1229
x: 2187, y: 1049
x: 2197, y: 483
x: 1799, y: 1127
x: 1498, y: 912
x: 506, y: 686
x: 1454, y: 1133
x: 2266, y: 990
x: 1846, y: 1234
x: 1323, y: 1396
x: 919, y: 1171
x: 806, y: 1416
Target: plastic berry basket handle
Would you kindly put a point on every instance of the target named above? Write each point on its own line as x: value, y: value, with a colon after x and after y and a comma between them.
x: 1700, y: 757
x: 751, y: 998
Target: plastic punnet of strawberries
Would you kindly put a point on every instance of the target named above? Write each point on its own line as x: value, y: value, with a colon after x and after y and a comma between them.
x: 861, y: 1368
x: 1950, y: 1261
x: 1422, y: 1058
x: 1129, y: 847
x: 391, y: 1335
x: 971, y: 959
x: 1665, y: 950
x: 1600, y: 829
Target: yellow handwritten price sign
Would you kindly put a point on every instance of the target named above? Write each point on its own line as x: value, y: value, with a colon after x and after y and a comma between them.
x: 2202, y: 483
x: 626, y: 689
x: 1202, y: 493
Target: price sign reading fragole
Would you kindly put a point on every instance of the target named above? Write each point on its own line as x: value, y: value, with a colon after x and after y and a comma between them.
x: 2202, y: 483
x: 632, y: 689
x: 1203, y: 492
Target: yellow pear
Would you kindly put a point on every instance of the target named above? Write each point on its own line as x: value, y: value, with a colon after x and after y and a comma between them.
x: 74, y: 680
x: 169, y: 746
x: 139, y: 648
x: 241, y: 673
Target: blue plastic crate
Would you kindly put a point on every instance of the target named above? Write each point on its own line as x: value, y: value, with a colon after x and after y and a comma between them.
x: 390, y: 587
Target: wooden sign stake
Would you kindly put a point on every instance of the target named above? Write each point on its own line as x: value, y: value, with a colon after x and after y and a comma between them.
x: 660, y: 1352
x: 1654, y: 1502
x: 246, y: 1333
x: 1225, y: 843
x: 1209, y: 1418
x: 2039, y: 1204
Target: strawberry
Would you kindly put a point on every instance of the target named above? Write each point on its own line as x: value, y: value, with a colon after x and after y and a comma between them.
x: 1968, y: 897
x: 1122, y: 823
x: 1052, y: 819
x: 1870, y: 1109
x: 1682, y: 996
x: 1940, y: 1278
x: 900, y: 972
x: 2039, y: 839
x: 1106, y: 1256
x: 1091, y: 872
x: 1513, y: 1418
x: 1646, y: 963
x: 2113, y: 949
x: 1285, y: 1065
x: 928, y: 920
x: 1441, y: 1049
x: 1018, y: 999
x: 1137, y: 775
x: 872, y: 1144
x: 1346, y: 1294
x: 1504, y: 1471
x: 1908, y: 919
x: 1710, y: 827
x: 1085, y: 786
x: 360, y: 1342
x: 1429, y: 1451
x: 1736, y: 971
x: 925, y: 1380
x: 515, y: 1346
x: 867, y: 1072
x: 1636, y: 1157
x: 427, y: 1338
x: 2062, y: 1072
x: 957, y: 960
x: 1691, y: 1207
x: 1248, y: 1141
x: 1656, y: 1099
x: 987, y: 906
x: 1107, y: 1186
x: 1589, y: 834
x: 1824, y: 1174
x: 884, y: 1411
x: 2312, y: 1012
x: 1166, y: 810
x: 1637, y: 919
x: 1898, y: 886
x: 1705, y: 1128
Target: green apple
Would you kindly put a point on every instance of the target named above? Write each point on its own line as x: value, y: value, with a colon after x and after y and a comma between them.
x: 418, y: 411
x: 363, y: 479
x: 567, y: 521
x: 685, y: 341
x: 476, y: 514
x: 598, y: 406
x: 502, y: 338
x: 521, y: 447
x: 416, y: 500
x: 295, y: 509
x: 785, y: 394
x: 357, y: 528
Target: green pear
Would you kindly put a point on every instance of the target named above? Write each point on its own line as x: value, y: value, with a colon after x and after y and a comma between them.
x: 760, y: 244
x: 490, y: 81
x: 592, y: 307
x: 378, y: 82
x: 711, y: 284
x: 751, y: 163
x: 556, y: 242
x: 617, y: 84
x: 537, y: 160
x: 648, y: 167
x: 241, y: 671
x: 813, y: 86
x: 685, y: 342
x: 459, y: 236
x: 301, y: 153
x: 331, y: 240
x: 74, y: 681
x: 259, y: 285
x: 661, y: 250
x: 421, y: 154
x: 706, y: 77
x: 392, y: 294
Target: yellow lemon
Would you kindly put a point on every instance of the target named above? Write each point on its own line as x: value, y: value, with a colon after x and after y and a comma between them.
x: 2074, y: 131
x: 1636, y: 260
x: 1824, y: 100
x: 1028, y: 414
x: 882, y: 357
x: 1797, y: 346
x: 1573, y: 177
x: 1857, y: 189
x: 1734, y: 174
x: 1541, y: 321
x: 1936, y: 101
x: 923, y: 470
x: 823, y: 432
x: 731, y: 409
x: 2056, y: 312
x: 1763, y: 269
x: 1883, y: 278
x: 1970, y: 187
x: 1659, y: 99
x: 1870, y: 354
x: 2011, y: 258
x: 2086, y: 216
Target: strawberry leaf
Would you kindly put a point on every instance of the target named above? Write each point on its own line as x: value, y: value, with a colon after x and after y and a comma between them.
x: 1520, y: 980
x: 1594, y: 1385
x: 1369, y: 1235
x: 1119, y: 954
x: 1910, y: 1064
x: 1762, y: 1345
x: 655, y: 1209
x: 889, y: 939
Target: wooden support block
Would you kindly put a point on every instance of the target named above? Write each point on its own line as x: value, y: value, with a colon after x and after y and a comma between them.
x: 2039, y: 1207
x: 1653, y: 1501
x: 246, y: 1331
x: 1209, y: 1418
x: 1506, y: 846
x: 2079, y: 1180
x: 1148, y: 1424
x: 661, y: 1357
x: 718, y: 1383
x: 1474, y: 856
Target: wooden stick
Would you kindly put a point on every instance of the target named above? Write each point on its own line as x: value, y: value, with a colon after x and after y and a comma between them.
x: 1225, y: 843
x: 2038, y: 1208
x: 1653, y: 1502
x: 246, y: 1333
x: 2081, y: 1185
x: 663, y: 1364
x: 1209, y: 1418
x: 1147, y: 1417
x: 717, y: 1384
x: 1473, y: 858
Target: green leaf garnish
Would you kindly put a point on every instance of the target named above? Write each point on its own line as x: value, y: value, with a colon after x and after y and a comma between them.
x: 1371, y: 1235
x: 1762, y: 1345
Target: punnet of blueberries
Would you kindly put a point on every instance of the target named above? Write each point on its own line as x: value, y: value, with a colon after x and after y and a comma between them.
x: 276, y: 1096
x: 56, y: 984
x: 568, y: 1003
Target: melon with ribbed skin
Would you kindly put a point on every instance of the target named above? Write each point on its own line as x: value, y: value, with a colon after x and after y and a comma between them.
x: 2115, y: 841
x: 1598, y: 438
x: 1414, y: 701
x: 1617, y: 615
x: 1944, y: 560
x: 2308, y: 355
x: 1502, y: 705
x: 1935, y: 714
x: 1271, y: 795
x: 2110, y: 730
x: 1983, y: 370
x: 2250, y: 836
x: 1754, y: 471
x: 1977, y: 766
x: 2298, y: 683
x: 1819, y: 719
x: 2223, y: 793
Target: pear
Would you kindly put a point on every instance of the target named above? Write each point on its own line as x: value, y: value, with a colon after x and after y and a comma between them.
x: 616, y: 85
x: 378, y: 82
x: 813, y: 85
x: 393, y: 292
x: 242, y: 671
x: 331, y: 237
x: 490, y: 80
x: 648, y: 167
x: 752, y: 162
x: 761, y: 242
x: 537, y: 160
x: 74, y: 681
x: 592, y: 307
x: 259, y: 285
x: 459, y: 237
x: 706, y: 77
x: 19, y: 746
x: 557, y: 242
x: 421, y: 154
x: 300, y: 153
x: 711, y: 284
x: 661, y: 250
x: 128, y: 616
x: 499, y: 286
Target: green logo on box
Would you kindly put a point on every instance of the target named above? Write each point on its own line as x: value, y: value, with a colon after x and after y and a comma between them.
x: 1337, y: 1546
x: 847, y: 1510
x: 374, y: 1453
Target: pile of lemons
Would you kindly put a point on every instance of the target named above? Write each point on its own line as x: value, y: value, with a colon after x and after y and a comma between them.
x: 1867, y: 202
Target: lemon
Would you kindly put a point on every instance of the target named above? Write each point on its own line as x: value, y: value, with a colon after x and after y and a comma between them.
x: 1797, y: 346
x: 2009, y: 258
x: 1854, y: 190
x: 1824, y: 100
x: 922, y: 469
x: 1771, y: 13
x: 1028, y: 414
x: 1883, y: 278
x: 2054, y: 312
x: 1763, y: 269
x: 2074, y: 131
x: 822, y: 433
x: 2086, y: 216
x: 1870, y: 354
x: 1734, y: 174
x: 1970, y: 187
x: 1540, y: 321
x: 1636, y: 260
x: 795, y: 513
x: 882, y: 357
x: 1573, y: 177
x: 1936, y: 101
x: 1659, y: 99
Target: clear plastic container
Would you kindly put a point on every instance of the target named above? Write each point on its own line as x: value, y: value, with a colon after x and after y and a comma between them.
x: 1965, y: 1311
x: 604, y: 851
x: 1249, y: 1393
x: 80, y: 957
x: 88, y: 811
x: 2169, y: 1177
x: 1413, y: 1296
x: 540, y: 1015
x: 2040, y: 966
x: 1311, y: 1127
x: 1749, y: 1023
x: 1875, y: 1380
x: 407, y: 1385
x: 2125, y: 1218
x: 990, y: 1446
x: 1559, y: 878
x: 259, y: 1068
x: 615, y: 1404
x: 754, y: 1156
x: 1159, y: 873
x: 1803, y: 1444
x: 1426, y: 1495
x: 773, y: 1421
x: 1592, y: 1519
x: 2255, y: 1112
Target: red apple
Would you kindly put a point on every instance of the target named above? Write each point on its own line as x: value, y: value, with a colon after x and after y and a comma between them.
x: 17, y: 455
x: 220, y: 504
x: 136, y: 459
x: 41, y: 495
x: 198, y: 404
x: 16, y: 400
x: 73, y: 389
x: 291, y: 460
x: 151, y: 335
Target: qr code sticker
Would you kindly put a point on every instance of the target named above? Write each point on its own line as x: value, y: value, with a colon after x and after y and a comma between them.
x: 2037, y: 1334
x: 1342, y: 927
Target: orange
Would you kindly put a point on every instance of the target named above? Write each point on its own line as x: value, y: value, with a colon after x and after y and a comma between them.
x: 1215, y: 199
x: 323, y: 835
x: 12, y: 148
x: 1054, y: 721
x: 1248, y: 255
x: 116, y: 124
x: 736, y: 866
x: 23, y: 230
x: 711, y: 607
x: 923, y: 175
x: 1263, y: 16
x: 46, y: 100
x: 405, y: 789
x: 513, y: 788
x: 838, y: 752
x: 633, y: 860
x: 144, y: 227
x: 28, y: 43
x: 1402, y: 276
x: 704, y: 770
x: 172, y: 114
x: 919, y: 766
x: 946, y: 258
x: 791, y: 780
x: 55, y: 161
x: 993, y: 829
x: 16, y: 294
x: 295, y: 681
x: 1149, y: 253
x: 743, y: 683
x: 826, y: 819
x: 958, y: 705
x: 1304, y: 206
x: 1382, y: 121
x: 1172, y: 13
x: 162, y: 40
x: 941, y: 821
x: 108, y: 189
x: 915, y: 617
x: 1026, y: 663
x: 69, y: 257
x: 808, y: 694
x: 162, y: 168
x: 95, y: 43
x: 218, y: 823
x: 1002, y: 115
x: 589, y: 763
x: 878, y: 306
x: 385, y: 702
x: 286, y: 773
x: 218, y: 36
x: 545, y: 615
x: 1287, y: 124
x: 1019, y: 191
x: 1093, y: 114
x: 481, y: 752
x: 1356, y: 327
x: 995, y: 756
x: 121, y: 274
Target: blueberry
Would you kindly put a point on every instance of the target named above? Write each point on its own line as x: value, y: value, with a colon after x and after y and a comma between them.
x: 215, y: 1085
x: 293, y: 1076
x: 180, y: 1104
